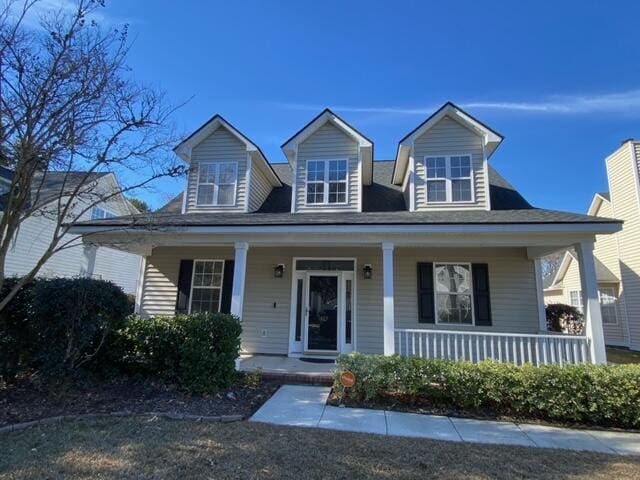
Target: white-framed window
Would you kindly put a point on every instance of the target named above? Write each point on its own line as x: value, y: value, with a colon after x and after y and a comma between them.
x: 608, y: 304
x: 326, y: 182
x: 206, y: 286
x: 575, y: 298
x: 449, y: 179
x: 453, y: 293
x: 98, y: 213
x: 217, y: 184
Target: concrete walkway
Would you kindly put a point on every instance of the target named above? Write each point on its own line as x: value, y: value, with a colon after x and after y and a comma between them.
x: 305, y: 406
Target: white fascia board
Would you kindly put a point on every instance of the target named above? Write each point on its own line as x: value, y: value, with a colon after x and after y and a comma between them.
x: 595, y: 204
x: 564, y: 266
x: 560, y: 228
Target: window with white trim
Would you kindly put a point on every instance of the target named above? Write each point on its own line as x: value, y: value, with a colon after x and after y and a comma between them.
x: 217, y: 184
x: 206, y: 286
x: 453, y: 293
x: 575, y: 298
x: 326, y: 182
x: 449, y: 179
x: 608, y: 303
x: 98, y: 213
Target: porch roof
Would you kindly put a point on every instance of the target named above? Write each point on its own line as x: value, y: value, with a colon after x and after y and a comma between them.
x: 458, y: 217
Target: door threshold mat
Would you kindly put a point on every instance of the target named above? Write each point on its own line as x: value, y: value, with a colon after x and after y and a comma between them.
x: 317, y: 360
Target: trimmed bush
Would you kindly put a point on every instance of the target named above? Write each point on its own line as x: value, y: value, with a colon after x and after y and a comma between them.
x: 57, y: 326
x: 588, y: 394
x: 197, y: 352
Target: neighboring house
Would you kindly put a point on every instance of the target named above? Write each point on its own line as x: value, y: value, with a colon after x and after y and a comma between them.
x: 86, y: 260
x: 432, y: 253
x: 617, y: 256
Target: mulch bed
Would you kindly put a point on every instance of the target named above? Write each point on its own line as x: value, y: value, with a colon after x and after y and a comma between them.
x: 24, y: 402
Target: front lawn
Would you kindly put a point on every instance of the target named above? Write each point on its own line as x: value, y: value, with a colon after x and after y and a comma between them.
x: 161, y: 449
x: 622, y: 355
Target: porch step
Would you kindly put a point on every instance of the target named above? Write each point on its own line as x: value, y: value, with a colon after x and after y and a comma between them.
x: 324, y: 379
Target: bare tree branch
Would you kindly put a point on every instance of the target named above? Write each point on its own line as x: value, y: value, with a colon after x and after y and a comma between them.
x: 70, y: 112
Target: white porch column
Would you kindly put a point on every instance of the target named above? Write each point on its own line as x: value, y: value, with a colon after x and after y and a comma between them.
x: 239, y: 274
x: 388, y: 311
x: 140, y: 286
x: 542, y: 314
x: 590, y: 301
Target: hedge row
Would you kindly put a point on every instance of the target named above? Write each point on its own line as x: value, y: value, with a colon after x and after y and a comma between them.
x: 588, y: 394
x: 197, y: 352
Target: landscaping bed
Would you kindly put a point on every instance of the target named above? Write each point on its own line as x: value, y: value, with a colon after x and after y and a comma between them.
x: 576, y: 395
x: 24, y: 402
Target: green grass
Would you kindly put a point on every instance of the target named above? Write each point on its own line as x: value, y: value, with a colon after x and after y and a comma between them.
x: 622, y: 355
x: 144, y: 448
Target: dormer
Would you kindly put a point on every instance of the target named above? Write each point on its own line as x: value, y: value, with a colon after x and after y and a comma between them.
x: 228, y: 172
x: 330, y: 161
x: 442, y: 163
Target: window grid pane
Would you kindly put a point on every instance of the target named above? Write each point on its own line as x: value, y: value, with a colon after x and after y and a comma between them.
x: 436, y: 191
x: 461, y: 190
x: 207, y: 286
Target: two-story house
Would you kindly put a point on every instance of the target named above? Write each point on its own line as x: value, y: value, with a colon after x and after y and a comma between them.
x: 432, y: 253
x: 617, y: 256
x: 82, y: 259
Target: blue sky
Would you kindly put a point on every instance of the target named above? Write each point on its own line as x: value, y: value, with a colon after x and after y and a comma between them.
x: 559, y: 79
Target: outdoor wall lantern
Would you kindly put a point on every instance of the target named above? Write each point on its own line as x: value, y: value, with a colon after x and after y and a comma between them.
x: 278, y: 270
x: 367, y: 271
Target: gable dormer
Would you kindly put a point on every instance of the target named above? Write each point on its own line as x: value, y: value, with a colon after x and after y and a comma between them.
x: 228, y: 172
x: 330, y: 161
x: 442, y: 164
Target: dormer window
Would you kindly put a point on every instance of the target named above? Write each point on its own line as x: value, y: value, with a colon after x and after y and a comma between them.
x: 449, y: 179
x: 326, y: 182
x: 217, y: 184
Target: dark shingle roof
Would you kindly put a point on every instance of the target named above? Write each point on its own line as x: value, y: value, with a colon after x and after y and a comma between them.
x: 383, y: 204
x: 605, y: 195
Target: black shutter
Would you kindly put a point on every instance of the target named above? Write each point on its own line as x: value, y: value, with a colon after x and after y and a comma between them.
x: 184, y: 286
x: 227, y: 287
x: 481, y: 297
x: 426, y: 310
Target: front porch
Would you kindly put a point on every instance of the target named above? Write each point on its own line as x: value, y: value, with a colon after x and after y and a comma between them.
x: 452, y: 296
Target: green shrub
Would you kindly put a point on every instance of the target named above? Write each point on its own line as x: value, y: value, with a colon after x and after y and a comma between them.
x: 589, y: 394
x: 196, y: 351
x: 16, y: 330
x: 564, y: 318
x: 57, y: 326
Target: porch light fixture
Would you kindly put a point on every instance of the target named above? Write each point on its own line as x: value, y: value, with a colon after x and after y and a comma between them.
x: 278, y: 270
x: 367, y: 272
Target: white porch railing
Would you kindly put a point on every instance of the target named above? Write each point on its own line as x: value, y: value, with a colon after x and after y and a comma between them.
x: 502, y: 347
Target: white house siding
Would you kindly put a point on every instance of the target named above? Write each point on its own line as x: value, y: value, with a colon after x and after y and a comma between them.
x: 121, y: 268
x: 220, y: 146
x: 35, y: 235
x: 449, y: 137
x: 623, y: 185
x: 260, y: 188
x: 327, y: 143
x: 514, y: 306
